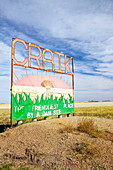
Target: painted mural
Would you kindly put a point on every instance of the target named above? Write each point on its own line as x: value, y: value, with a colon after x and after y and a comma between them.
x: 51, y: 97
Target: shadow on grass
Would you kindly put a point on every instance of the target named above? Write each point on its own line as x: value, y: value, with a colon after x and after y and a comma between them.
x: 3, y: 128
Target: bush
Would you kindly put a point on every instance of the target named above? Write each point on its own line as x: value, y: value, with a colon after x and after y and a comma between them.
x: 88, y: 126
x: 67, y: 127
x: 87, y: 149
x: 6, y: 166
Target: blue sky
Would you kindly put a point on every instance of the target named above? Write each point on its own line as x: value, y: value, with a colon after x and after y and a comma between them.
x: 79, y: 28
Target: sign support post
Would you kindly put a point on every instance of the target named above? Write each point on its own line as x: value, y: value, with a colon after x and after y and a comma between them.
x: 11, y: 89
x: 73, y: 80
x: 73, y: 77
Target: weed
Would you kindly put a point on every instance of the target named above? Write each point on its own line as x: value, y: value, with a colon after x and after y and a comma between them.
x: 6, y: 167
x: 24, y: 168
x: 87, y: 149
x: 106, y: 131
x: 69, y: 128
x: 88, y: 126
x: 93, y: 150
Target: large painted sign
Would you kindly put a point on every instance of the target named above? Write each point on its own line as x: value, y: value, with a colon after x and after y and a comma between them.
x: 30, y: 105
x: 37, y: 95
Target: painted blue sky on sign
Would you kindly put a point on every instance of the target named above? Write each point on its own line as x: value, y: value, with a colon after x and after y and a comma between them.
x: 78, y: 28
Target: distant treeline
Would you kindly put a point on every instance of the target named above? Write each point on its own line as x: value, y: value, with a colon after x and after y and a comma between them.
x: 100, y: 101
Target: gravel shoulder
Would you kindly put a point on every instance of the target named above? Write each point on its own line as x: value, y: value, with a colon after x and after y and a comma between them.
x: 45, y: 145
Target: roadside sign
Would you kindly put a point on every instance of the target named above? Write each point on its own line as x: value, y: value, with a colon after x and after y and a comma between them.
x: 40, y: 95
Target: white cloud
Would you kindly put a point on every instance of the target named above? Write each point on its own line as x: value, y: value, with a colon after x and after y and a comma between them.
x: 93, y: 95
x: 5, y: 89
x: 84, y: 26
x: 106, y: 69
x: 5, y: 53
x: 83, y: 20
x: 93, y: 88
x: 92, y: 83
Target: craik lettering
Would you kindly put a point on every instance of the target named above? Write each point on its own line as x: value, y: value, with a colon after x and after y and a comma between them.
x: 27, y: 62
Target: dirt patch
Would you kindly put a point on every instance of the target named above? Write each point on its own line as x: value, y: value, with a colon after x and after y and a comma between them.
x: 52, y: 144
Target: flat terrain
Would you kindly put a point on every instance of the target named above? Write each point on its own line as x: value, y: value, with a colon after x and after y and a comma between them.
x: 5, y: 106
x: 100, y: 111
x: 77, y: 104
x: 93, y: 104
x: 57, y: 144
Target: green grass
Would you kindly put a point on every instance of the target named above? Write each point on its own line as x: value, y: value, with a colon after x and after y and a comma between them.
x: 6, y: 166
x: 9, y: 166
x: 25, y: 168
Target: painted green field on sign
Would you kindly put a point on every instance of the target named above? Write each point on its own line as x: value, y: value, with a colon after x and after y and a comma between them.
x: 23, y: 107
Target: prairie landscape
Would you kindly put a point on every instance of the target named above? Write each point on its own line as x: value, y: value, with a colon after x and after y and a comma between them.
x: 82, y: 141
x: 99, y: 109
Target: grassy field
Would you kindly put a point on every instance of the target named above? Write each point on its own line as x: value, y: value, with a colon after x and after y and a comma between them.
x: 4, y: 116
x: 106, y: 112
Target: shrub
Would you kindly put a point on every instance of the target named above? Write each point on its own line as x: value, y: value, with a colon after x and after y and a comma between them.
x: 6, y: 166
x: 88, y: 126
x: 67, y: 127
x: 87, y: 149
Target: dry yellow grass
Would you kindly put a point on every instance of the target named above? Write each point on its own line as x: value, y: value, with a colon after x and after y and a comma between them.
x: 87, y: 125
x: 67, y: 127
x: 4, y: 116
x: 104, y: 111
x: 87, y: 149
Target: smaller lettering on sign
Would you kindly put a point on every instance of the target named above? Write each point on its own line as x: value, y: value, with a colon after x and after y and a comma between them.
x: 57, y: 112
x: 30, y: 115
